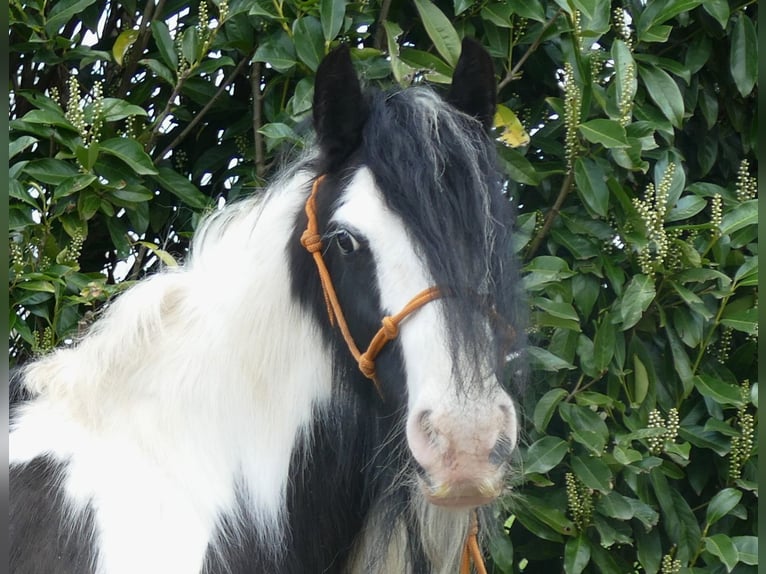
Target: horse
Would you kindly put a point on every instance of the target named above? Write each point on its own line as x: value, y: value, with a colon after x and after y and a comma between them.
x: 324, y: 385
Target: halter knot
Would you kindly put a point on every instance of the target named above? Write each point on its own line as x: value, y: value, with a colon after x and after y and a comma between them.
x: 390, y: 328
x: 367, y: 366
x: 311, y: 241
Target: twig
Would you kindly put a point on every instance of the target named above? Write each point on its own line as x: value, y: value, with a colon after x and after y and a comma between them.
x: 140, y: 45
x: 566, y: 186
x: 512, y: 73
x: 380, y: 30
x: 198, y: 117
x: 255, y: 82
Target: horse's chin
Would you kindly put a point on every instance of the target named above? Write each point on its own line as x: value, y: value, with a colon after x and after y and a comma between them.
x: 462, y: 495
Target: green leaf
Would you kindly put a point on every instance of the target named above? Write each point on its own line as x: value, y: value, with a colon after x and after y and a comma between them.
x: 73, y: 184
x: 743, y: 57
x: 545, y: 408
x: 498, y: 13
x: 625, y: 77
x: 576, y: 554
x: 62, y: 11
x: 640, y: 380
x: 603, y: 344
x: 721, y: 545
x: 191, y: 46
x: 49, y: 118
x: 718, y: 9
x: 747, y: 548
x: 544, y: 455
x: 722, y: 503
x: 637, y: 297
x: 309, y: 42
x: 716, y: 389
x: 741, y: 216
x: 591, y: 185
x: 278, y: 51
x: 608, y: 133
x: 547, y: 512
x: 44, y: 286
x: 160, y: 69
x: 593, y: 472
x: 586, y: 426
x: 440, y: 30
x: 530, y: 10
x: 49, y: 170
x: 518, y: 167
x: 681, y: 361
x: 547, y: 361
x: 114, y: 109
x: 122, y: 44
x: 130, y: 152
x: 182, y: 188
x: 557, y: 308
x: 664, y: 92
x: 165, y: 44
x: 686, y: 208
x: 745, y: 320
x: 18, y: 145
x: 161, y: 254
x: 331, y: 12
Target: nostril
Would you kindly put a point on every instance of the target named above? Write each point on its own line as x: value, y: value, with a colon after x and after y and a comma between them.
x: 502, y: 450
x: 426, y: 424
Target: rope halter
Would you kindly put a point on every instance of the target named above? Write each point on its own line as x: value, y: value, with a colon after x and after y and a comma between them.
x: 389, y: 330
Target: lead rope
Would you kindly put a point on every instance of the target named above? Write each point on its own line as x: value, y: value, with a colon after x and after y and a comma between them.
x: 471, y: 550
x: 389, y: 330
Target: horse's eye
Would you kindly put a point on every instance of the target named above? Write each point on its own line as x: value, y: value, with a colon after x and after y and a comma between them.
x: 346, y: 242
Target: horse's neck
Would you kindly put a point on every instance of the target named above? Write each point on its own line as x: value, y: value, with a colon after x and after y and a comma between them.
x: 201, y: 377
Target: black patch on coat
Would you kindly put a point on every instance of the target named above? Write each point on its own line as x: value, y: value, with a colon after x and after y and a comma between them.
x: 44, y: 536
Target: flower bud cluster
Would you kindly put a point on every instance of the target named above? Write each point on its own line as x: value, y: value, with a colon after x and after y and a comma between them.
x: 579, y: 501
x: 203, y: 22
x: 97, y: 123
x: 652, y: 211
x: 241, y: 142
x: 73, y: 251
x: 742, y: 444
x: 670, y: 426
x: 724, y: 345
x: 716, y: 213
x: 572, y: 101
x: 747, y: 186
x: 670, y: 565
x: 621, y: 26
x: 41, y: 345
x: 223, y: 10
x: 626, y: 96
x: 74, y: 112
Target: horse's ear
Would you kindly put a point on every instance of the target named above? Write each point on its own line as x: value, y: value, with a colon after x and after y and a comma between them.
x: 473, y: 89
x: 339, y: 106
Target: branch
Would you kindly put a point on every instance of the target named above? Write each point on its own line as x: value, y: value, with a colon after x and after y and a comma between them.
x: 566, y: 187
x: 380, y: 30
x: 512, y: 73
x: 255, y: 82
x: 140, y: 46
x: 198, y: 117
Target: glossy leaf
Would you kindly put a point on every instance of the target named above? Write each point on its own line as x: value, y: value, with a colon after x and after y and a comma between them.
x: 743, y: 57
x: 440, y: 30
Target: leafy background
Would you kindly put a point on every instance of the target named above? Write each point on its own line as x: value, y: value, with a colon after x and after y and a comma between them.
x: 628, y: 133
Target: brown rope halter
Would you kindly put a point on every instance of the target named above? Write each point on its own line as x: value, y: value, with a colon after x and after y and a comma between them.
x: 389, y: 330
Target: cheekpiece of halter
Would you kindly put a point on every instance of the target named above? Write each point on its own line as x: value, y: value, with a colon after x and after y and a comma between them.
x: 389, y: 330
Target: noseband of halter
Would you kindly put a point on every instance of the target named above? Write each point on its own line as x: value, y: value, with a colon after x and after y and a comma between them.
x: 389, y: 329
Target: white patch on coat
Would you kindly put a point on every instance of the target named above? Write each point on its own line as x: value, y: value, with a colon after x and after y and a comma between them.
x: 192, y: 380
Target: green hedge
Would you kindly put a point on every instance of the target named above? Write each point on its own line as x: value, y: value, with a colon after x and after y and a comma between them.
x: 628, y: 133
